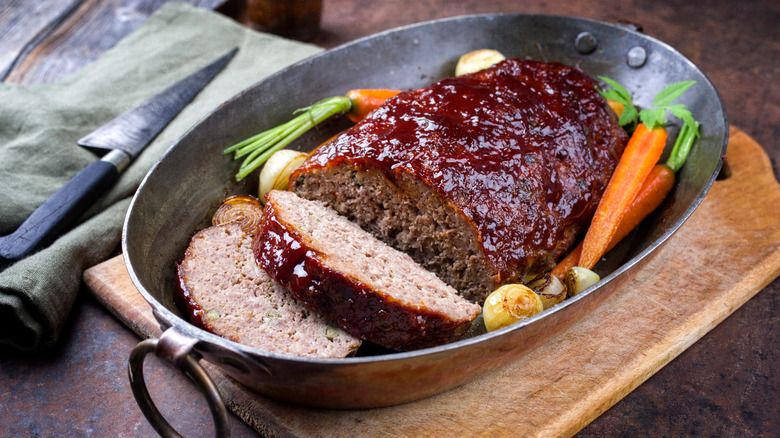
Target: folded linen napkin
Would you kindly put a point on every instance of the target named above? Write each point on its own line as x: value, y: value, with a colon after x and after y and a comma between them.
x: 39, y: 126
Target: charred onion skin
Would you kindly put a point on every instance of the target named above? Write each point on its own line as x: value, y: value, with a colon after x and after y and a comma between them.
x: 578, y: 279
x: 244, y: 210
x: 549, y: 288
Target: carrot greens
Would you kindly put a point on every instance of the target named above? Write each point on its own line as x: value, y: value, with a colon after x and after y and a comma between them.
x: 656, y: 114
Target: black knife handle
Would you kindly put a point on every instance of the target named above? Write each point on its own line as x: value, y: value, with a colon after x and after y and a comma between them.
x: 60, y: 211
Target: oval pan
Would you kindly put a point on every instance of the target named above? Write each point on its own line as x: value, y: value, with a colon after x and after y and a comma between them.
x: 180, y: 193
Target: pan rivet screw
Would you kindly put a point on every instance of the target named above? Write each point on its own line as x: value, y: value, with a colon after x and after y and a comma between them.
x: 636, y: 57
x: 585, y: 42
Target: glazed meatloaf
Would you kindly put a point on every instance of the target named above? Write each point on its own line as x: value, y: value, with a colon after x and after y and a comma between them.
x: 369, y: 289
x: 481, y: 178
x: 224, y: 291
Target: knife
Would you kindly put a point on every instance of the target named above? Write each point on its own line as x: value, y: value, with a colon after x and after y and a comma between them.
x: 121, y: 140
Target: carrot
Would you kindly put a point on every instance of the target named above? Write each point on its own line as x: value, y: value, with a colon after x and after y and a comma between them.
x: 654, y: 190
x: 616, y: 106
x: 257, y: 149
x: 366, y: 100
x: 642, y: 152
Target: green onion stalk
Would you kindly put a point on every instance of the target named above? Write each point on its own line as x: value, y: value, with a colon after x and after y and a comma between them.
x: 257, y: 149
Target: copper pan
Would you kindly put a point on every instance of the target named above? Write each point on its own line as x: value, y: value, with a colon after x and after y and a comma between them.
x: 183, y: 189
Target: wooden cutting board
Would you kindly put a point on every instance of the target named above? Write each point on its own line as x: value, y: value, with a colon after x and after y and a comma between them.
x: 724, y: 254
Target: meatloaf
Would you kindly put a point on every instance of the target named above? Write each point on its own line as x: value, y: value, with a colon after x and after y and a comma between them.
x: 224, y: 291
x: 369, y: 289
x: 481, y: 178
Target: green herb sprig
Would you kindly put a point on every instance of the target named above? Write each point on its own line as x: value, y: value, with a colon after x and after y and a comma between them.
x: 656, y: 114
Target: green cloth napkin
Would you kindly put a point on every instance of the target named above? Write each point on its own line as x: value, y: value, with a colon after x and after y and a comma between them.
x: 39, y: 126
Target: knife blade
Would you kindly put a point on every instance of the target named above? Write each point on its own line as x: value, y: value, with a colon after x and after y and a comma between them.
x: 120, y: 140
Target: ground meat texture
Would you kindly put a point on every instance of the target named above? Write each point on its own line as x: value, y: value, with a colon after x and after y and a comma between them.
x: 368, y: 288
x: 224, y: 291
x: 481, y: 178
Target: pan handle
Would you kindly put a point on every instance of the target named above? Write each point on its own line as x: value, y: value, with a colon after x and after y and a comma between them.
x: 175, y: 349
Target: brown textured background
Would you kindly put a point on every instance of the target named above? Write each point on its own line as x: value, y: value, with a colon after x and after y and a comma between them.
x: 724, y: 385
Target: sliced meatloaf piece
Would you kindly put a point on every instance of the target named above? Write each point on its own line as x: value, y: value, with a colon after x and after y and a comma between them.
x: 368, y: 288
x: 481, y: 178
x: 224, y: 291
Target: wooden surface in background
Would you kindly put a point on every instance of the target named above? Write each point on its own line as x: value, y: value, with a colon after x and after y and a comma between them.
x: 42, y: 41
x: 725, y: 384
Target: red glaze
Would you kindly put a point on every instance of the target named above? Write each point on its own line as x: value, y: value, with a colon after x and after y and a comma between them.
x: 524, y: 150
x: 341, y: 298
x: 188, y: 306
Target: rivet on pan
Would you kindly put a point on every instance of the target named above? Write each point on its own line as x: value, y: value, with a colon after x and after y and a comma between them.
x: 585, y: 42
x: 636, y: 57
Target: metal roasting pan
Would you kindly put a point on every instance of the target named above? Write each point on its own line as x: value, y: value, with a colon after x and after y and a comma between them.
x: 180, y: 193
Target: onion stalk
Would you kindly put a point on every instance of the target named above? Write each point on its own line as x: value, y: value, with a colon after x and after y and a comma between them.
x: 257, y: 149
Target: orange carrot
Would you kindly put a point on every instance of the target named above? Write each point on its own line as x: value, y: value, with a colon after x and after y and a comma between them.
x: 366, y: 100
x: 568, y: 262
x: 641, y: 154
x: 654, y: 190
x: 616, y: 106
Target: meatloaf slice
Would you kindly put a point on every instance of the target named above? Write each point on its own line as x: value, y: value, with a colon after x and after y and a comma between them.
x: 370, y: 289
x: 224, y: 291
x: 481, y: 178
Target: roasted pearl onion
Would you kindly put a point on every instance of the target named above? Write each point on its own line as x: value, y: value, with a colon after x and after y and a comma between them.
x: 276, y: 171
x: 244, y: 210
x: 477, y: 60
x: 578, y: 279
x: 508, y: 304
x: 550, y: 289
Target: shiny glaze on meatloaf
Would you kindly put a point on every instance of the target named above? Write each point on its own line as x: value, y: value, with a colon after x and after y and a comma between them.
x: 481, y: 178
